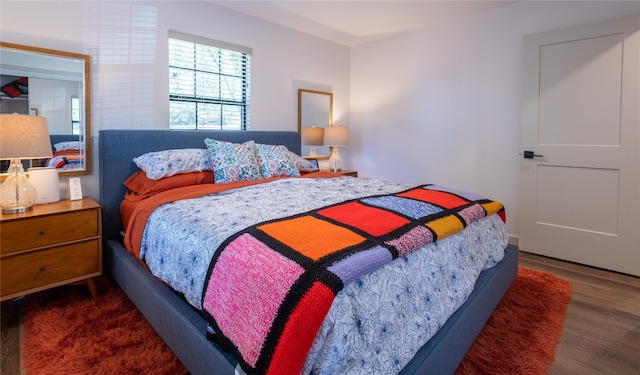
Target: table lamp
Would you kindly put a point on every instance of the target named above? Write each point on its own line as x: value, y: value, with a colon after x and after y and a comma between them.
x: 312, y: 136
x: 336, y: 136
x: 21, y: 137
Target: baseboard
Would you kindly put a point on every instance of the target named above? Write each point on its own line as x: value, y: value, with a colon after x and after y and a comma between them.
x: 514, y: 240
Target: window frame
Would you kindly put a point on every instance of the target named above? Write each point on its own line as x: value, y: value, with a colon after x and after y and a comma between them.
x: 207, y: 106
x: 75, y: 115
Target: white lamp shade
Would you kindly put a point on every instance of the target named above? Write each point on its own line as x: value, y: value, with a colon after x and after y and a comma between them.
x: 24, y: 137
x: 312, y: 136
x: 336, y: 136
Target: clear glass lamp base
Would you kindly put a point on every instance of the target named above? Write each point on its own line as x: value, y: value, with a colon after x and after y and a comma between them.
x: 17, y: 193
x: 335, y: 161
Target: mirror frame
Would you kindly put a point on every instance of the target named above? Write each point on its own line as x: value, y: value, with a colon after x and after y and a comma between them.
x: 301, y: 93
x: 86, y: 92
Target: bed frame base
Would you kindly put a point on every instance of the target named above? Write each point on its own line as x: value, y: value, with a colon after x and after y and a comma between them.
x: 183, y: 328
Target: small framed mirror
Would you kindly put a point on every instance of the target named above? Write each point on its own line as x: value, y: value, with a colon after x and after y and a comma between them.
x: 55, y: 85
x: 315, y: 108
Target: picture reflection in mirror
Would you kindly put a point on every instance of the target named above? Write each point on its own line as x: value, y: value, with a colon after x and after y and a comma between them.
x: 51, y: 84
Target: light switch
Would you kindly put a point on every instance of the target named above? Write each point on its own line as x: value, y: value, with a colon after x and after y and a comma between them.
x: 75, y: 188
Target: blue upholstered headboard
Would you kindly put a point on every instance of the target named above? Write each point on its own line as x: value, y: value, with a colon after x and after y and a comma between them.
x: 57, y: 138
x: 119, y: 147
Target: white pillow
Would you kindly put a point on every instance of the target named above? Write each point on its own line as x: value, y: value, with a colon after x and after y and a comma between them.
x: 301, y: 163
x: 69, y: 145
x: 167, y: 163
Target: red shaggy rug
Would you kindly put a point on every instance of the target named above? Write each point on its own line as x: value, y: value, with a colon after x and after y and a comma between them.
x: 521, y: 335
x: 65, y: 332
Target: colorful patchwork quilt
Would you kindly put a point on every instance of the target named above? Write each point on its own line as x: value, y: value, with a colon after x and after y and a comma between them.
x: 269, y: 287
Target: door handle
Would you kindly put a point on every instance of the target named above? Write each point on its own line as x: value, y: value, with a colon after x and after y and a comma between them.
x: 531, y: 155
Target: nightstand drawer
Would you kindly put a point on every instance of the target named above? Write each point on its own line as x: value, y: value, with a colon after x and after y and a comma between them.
x: 40, y: 268
x: 48, y: 230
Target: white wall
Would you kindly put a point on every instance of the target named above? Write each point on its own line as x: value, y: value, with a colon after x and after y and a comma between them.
x: 127, y: 42
x: 442, y: 104
x: 52, y: 99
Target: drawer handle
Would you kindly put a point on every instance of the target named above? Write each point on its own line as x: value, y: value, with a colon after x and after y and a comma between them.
x: 43, y: 268
x: 41, y: 231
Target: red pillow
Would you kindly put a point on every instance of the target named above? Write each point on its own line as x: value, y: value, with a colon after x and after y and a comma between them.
x: 140, y: 186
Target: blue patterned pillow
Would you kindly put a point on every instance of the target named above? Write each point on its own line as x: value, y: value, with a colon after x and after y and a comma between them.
x: 167, y: 163
x: 274, y: 161
x: 232, y: 162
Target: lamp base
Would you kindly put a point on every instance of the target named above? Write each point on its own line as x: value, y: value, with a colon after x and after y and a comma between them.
x: 17, y: 193
x: 335, y: 161
x: 17, y: 210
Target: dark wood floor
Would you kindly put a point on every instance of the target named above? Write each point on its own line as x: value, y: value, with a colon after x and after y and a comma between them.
x: 10, y: 337
x: 601, y: 334
x: 602, y: 331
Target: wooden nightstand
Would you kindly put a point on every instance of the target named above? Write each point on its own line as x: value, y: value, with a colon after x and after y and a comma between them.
x: 349, y: 173
x: 55, y: 244
x: 344, y: 172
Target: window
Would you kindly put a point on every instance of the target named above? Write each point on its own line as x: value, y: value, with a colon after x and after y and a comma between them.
x: 208, y: 84
x: 75, y: 115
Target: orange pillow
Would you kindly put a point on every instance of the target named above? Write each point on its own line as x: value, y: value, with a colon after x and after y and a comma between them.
x: 140, y: 186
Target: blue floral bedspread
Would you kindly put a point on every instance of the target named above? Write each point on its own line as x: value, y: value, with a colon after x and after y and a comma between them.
x: 376, y: 324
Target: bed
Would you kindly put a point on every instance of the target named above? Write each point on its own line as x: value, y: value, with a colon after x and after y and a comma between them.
x: 67, y: 153
x: 58, y: 138
x: 184, y: 328
x: 67, y: 150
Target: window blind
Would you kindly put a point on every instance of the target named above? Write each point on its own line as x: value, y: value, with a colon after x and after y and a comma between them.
x: 208, y: 83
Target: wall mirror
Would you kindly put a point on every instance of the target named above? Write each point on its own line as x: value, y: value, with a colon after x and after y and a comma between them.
x: 55, y: 85
x: 315, y: 108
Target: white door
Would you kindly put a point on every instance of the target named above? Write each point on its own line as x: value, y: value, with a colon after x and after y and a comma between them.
x: 579, y: 195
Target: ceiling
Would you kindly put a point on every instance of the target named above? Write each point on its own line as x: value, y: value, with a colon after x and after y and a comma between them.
x: 353, y: 22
